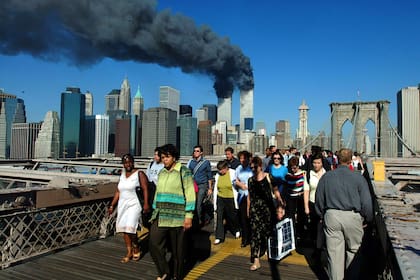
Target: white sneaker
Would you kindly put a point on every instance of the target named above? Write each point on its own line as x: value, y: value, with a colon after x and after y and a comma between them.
x: 237, y: 234
x: 217, y: 241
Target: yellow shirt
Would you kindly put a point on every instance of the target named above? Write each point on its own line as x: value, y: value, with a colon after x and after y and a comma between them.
x: 224, y: 186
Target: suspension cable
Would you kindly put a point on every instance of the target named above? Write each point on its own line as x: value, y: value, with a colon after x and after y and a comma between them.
x: 302, y: 149
x: 401, y: 139
x: 353, y: 130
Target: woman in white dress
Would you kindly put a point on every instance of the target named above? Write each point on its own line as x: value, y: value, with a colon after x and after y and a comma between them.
x: 129, y: 208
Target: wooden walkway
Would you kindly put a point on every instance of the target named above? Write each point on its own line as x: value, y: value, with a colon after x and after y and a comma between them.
x: 100, y: 259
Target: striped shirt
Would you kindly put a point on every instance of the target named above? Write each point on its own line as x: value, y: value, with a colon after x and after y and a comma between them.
x: 295, y: 183
x: 171, y: 205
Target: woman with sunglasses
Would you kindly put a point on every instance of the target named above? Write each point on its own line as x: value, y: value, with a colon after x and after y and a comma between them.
x: 278, y: 171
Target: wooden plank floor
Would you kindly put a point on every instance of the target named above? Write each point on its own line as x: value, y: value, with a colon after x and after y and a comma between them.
x: 100, y: 259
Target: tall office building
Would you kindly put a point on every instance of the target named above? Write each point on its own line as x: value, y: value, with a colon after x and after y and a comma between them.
x: 159, y: 128
x: 260, y: 128
x: 185, y: 110
x: 47, y: 145
x: 97, y: 131
x: 188, y: 134
x: 246, y: 109
x: 283, y: 139
x: 408, y: 110
x: 169, y: 98
x: 112, y: 101
x: 303, y: 123
x: 138, y: 104
x: 89, y: 104
x: 23, y: 140
x: 122, y: 136
x: 224, y: 110
x: 72, y: 123
x: 258, y: 144
x: 125, y: 97
x: 201, y: 114
x: 211, y: 112
x: 219, y: 132
x: 12, y: 110
x: 204, y: 136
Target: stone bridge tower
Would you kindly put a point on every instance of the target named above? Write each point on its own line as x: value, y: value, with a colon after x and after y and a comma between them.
x: 359, y: 113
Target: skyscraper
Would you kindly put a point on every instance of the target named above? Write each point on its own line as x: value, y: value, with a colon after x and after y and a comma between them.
x: 188, y: 134
x: 47, y: 145
x: 23, y: 140
x: 303, y: 123
x: 204, y: 136
x: 185, y: 110
x: 211, y: 112
x: 219, y: 131
x: 12, y: 110
x: 97, y: 131
x: 159, y: 128
x: 112, y: 101
x: 125, y: 97
x: 122, y: 136
x: 89, y: 104
x: 169, y: 98
x: 201, y: 114
x: 224, y: 110
x: 138, y: 104
x: 72, y: 123
x: 282, y: 136
x: 246, y: 109
x: 408, y: 110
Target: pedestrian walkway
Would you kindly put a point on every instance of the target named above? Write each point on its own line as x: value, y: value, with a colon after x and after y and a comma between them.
x: 100, y: 259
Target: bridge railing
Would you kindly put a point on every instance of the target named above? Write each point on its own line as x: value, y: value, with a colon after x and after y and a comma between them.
x: 34, y: 232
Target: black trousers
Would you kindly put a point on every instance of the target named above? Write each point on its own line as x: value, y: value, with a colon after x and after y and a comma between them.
x: 244, y: 221
x: 296, y: 210
x: 160, y: 237
x: 226, y: 208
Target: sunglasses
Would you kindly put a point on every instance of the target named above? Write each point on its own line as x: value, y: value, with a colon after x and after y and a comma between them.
x: 276, y: 158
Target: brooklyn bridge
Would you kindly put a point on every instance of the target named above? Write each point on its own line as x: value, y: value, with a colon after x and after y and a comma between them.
x: 54, y: 226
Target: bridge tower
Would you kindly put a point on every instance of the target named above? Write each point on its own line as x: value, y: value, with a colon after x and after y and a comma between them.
x: 359, y: 113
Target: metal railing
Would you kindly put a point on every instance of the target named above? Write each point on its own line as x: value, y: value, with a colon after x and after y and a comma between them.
x: 35, y: 232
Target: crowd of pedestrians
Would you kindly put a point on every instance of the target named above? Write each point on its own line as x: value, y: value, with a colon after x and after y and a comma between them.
x: 323, y: 193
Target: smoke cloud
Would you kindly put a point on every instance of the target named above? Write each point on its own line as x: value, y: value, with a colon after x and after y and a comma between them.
x: 84, y: 32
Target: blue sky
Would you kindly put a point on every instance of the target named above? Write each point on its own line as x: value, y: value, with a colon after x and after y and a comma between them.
x: 317, y: 51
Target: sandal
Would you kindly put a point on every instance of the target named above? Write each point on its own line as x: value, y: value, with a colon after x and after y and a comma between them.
x: 136, y: 256
x: 126, y: 259
x: 136, y: 253
x: 255, y: 267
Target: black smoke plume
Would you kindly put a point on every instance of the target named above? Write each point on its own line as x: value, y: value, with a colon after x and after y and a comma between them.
x: 86, y: 31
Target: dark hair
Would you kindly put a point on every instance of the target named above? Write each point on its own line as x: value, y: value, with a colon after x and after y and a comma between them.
x: 230, y: 149
x: 246, y: 154
x: 256, y: 161
x: 278, y: 154
x: 169, y: 149
x: 293, y: 161
x: 317, y: 156
x: 128, y: 157
x: 158, y: 150
x: 222, y: 164
x: 199, y: 147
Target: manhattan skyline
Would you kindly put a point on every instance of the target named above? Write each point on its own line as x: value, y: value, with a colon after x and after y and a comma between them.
x: 317, y: 52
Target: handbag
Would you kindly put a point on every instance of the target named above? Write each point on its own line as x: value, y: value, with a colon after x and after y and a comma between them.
x: 282, y: 240
x: 146, y: 216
